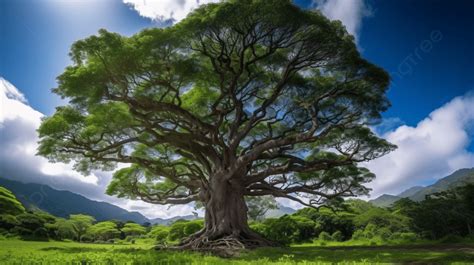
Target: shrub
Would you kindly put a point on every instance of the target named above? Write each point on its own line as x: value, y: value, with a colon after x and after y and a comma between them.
x: 87, y: 238
x: 192, y: 227
x: 407, y: 237
x: 157, y: 229
x: 384, y: 233
x: 40, y: 234
x: 370, y: 231
x: 337, y: 236
x: 281, y: 230
x: 161, y: 236
x: 8, y: 221
x: 358, y: 235
x: 325, y: 236
x: 176, y: 231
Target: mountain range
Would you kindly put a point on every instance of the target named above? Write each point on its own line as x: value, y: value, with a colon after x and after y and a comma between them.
x: 418, y: 193
x: 63, y: 203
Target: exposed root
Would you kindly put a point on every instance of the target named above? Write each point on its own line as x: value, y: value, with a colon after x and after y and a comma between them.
x: 225, y: 246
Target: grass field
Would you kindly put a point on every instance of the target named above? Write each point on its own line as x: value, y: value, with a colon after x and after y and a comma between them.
x: 28, y: 252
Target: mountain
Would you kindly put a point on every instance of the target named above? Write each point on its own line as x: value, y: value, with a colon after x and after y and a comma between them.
x: 164, y: 221
x: 459, y: 178
x: 410, y: 192
x: 64, y: 203
x: 385, y: 200
x: 280, y: 211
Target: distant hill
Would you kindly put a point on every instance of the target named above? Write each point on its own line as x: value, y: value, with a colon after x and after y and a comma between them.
x: 164, y: 221
x: 282, y: 210
x: 410, y: 192
x: 385, y: 200
x: 64, y: 203
x: 459, y: 178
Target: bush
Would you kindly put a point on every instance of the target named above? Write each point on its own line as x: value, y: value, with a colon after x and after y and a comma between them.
x: 384, y: 233
x: 40, y: 234
x: 176, y: 231
x: 281, y: 230
x: 358, y: 235
x: 192, y: 227
x: 337, y: 236
x: 406, y: 237
x: 87, y: 238
x: 451, y: 239
x: 325, y: 236
x: 161, y: 236
x: 21, y: 231
x: 8, y: 221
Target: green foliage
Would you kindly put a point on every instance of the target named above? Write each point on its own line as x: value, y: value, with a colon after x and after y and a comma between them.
x: 281, y: 230
x: 337, y: 236
x: 103, y: 231
x: 325, y: 236
x: 133, y: 229
x: 328, y: 221
x: 8, y: 221
x: 80, y: 223
x: 193, y: 227
x: 9, y: 203
x: 183, y: 228
x: 441, y: 214
x: 176, y: 231
x: 30, y: 221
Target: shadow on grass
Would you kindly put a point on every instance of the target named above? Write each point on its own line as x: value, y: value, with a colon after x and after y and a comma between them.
x: 383, y: 254
x: 74, y: 249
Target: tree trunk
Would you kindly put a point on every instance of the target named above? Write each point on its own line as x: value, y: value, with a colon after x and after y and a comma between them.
x: 226, y: 227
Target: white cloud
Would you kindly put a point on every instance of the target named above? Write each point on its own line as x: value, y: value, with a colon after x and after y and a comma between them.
x: 18, y: 142
x: 166, y: 10
x: 22, y: 144
x: 434, y: 148
x: 349, y: 12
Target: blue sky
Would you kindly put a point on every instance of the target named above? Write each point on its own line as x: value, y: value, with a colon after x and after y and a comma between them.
x: 427, y: 46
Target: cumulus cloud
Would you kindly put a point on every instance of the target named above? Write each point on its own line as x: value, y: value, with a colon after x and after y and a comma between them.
x: 349, y: 12
x: 166, y: 10
x: 434, y: 148
x: 18, y: 141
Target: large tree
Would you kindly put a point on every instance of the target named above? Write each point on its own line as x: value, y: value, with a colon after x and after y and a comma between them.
x: 242, y: 98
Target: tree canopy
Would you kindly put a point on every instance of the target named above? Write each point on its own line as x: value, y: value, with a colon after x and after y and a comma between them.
x: 9, y: 203
x: 242, y: 98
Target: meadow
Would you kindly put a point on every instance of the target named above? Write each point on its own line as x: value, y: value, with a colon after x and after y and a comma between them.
x: 13, y: 251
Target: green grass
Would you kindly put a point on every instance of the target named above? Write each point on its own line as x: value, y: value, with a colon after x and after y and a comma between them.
x: 14, y: 251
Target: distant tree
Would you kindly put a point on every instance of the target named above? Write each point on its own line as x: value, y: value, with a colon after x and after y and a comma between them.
x: 81, y: 223
x: 133, y: 229
x: 192, y: 227
x: 8, y: 221
x: 30, y: 221
x: 67, y: 229
x: 443, y: 213
x: 9, y: 204
x: 242, y: 98
x: 158, y: 229
x: 176, y: 231
x: 104, y: 230
x: 258, y: 206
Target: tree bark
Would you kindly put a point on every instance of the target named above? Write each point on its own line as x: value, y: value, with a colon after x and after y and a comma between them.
x: 226, y: 227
